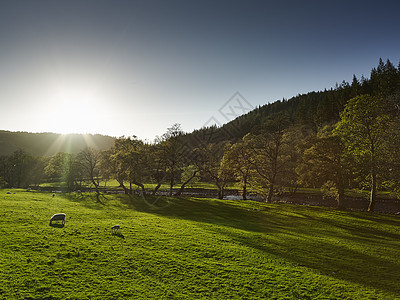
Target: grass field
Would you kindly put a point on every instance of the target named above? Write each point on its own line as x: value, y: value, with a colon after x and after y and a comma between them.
x: 193, y: 249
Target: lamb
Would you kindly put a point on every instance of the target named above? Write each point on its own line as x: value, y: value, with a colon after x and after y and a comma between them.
x: 58, y: 217
x: 116, y: 229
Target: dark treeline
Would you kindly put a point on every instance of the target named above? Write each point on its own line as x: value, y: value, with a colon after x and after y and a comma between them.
x: 343, y: 138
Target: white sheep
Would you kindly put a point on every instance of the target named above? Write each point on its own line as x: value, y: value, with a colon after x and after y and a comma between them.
x: 116, y: 229
x: 58, y: 217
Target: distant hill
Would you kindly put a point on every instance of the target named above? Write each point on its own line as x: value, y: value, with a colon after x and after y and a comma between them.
x: 48, y: 144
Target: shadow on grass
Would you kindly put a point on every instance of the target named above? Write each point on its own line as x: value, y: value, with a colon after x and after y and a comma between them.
x: 55, y: 225
x: 210, y: 211
x: 88, y: 200
x: 339, y: 244
x: 118, y: 234
x: 333, y: 260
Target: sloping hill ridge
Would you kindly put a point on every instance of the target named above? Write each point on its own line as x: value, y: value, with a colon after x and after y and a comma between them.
x: 48, y: 144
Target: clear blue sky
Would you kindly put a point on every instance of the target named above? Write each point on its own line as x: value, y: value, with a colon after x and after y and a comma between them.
x: 137, y: 67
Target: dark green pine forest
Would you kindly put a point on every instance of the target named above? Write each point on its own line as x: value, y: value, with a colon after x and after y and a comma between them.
x: 337, y: 140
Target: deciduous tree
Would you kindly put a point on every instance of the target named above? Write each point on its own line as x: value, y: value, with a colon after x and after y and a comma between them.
x: 128, y: 162
x: 326, y: 160
x: 172, y: 153
x: 209, y: 163
x: 364, y: 127
x: 270, y: 152
x: 238, y: 158
x: 89, y: 161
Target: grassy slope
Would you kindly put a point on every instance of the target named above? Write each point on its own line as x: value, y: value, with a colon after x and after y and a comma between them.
x: 194, y: 248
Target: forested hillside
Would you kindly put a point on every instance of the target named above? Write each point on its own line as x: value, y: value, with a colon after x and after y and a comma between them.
x: 48, y: 144
x: 314, y: 109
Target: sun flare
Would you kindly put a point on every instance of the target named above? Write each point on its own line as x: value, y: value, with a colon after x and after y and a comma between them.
x: 74, y: 110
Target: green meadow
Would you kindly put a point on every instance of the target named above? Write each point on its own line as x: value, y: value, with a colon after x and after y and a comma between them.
x: 190, y: 248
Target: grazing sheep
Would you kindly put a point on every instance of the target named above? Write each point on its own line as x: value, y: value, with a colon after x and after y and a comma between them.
x: 54, y: 194
x: 58, y: 217
x: 115, y: 229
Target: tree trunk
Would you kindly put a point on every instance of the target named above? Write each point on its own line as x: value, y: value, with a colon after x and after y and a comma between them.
x: 340, y: 196
x: 96, y: 186
x: 270, y: 193
x: 220, y: 191
x: 140, y: 185
x: 121, y: 184
x: 105, y: 186
x: 171, y: 184
x: 156, y: 188
x: 244, y: 192
x: 159, y: 183
x: 372, y: 199
x: 98, y: 198
x: 178, y: 193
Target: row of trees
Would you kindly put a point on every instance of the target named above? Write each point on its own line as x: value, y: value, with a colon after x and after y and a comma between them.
x: 20, y: 169
x: 359, y: 151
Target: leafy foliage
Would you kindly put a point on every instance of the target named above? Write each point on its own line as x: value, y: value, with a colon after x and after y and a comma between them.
x: 238, y: 158
x: 326, y: 162
x: 365, y: 127
x: 271, y: 153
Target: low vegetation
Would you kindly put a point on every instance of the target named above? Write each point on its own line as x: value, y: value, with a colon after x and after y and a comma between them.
x: 189, y: 248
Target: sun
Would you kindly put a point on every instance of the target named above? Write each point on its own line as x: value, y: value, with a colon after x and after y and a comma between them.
x: 74, y: 110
